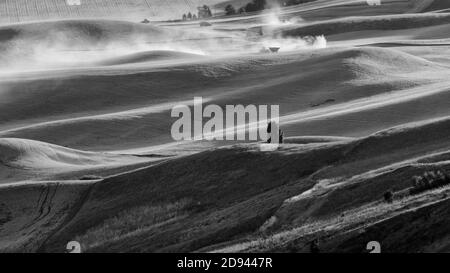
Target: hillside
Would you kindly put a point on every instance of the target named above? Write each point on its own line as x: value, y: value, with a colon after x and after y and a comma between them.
x: 438, y: 5
x: 352, y: 24
x: 87, y: 151
x: 156, y: 10
x: 21, y: 159
x: 200, y: 203
x: 126, y: 120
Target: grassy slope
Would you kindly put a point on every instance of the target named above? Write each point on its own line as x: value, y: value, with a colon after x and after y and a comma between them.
x: 234, y: 193
x: 30, y: 213
x: 351, y: 24
x: 346, y: 213
x: 325, y: 10
x: 350, y: 232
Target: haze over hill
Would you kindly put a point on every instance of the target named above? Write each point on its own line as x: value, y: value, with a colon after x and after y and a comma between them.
x: 87, y: 154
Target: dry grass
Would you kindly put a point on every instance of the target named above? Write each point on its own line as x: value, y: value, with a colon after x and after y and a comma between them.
x: 131, y: 221
x: 355, y: 219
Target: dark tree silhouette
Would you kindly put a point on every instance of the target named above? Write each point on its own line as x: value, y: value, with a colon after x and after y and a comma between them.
x: 388, y: 196
x: 255, y: 5
x: 208, y: 10
x: 280, y: 133
x: 230, y: 10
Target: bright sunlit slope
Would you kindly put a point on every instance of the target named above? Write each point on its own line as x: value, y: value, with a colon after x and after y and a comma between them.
x: 21, y: 159
x: 122, y: 110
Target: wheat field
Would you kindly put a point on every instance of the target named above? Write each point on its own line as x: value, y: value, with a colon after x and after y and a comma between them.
x: 12, y: 11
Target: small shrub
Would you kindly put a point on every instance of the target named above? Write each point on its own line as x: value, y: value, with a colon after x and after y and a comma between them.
x: 429, y: 180
x: 388, y: 196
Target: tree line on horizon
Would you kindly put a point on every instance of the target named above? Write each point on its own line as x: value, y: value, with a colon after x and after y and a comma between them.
x: 253, y: 6
x: 258, y: 5
x: 203, y: 12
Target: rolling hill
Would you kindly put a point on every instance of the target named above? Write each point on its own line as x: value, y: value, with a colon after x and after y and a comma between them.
x: 86, y: 151
x: 191, y: 207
